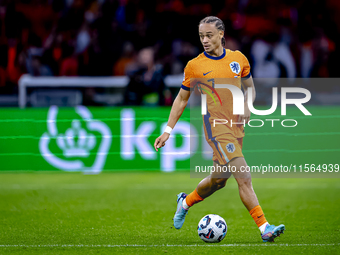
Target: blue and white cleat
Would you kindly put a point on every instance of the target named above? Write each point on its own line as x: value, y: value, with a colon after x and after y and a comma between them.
x: 271, y: 232
x: 180, y: 212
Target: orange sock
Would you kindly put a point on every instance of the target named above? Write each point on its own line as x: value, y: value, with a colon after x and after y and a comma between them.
x: 258, y: 215
x: 193, y: 198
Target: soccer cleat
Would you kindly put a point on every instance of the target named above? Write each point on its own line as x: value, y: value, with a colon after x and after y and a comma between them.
x: 271, y: 232
x: 180, y: 212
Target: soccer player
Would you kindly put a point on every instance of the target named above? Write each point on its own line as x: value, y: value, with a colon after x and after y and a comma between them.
x: 226, y: 140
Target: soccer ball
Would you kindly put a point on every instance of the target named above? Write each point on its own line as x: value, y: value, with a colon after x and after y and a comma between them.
x: 212, y: 228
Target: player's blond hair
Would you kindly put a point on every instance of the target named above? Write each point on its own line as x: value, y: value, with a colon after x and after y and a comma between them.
x: 218, y: 24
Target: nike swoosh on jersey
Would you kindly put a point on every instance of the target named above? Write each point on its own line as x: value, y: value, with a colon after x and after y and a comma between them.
x: 204, y: 74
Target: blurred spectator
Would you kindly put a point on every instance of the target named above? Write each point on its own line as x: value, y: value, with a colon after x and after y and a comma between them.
x: 272, y: 59
x: 146, y: 85
x: 69, y: 65
x: 323, y: 53
x: 35, y: 65
x: 127, y: 58
x: 15, y: 62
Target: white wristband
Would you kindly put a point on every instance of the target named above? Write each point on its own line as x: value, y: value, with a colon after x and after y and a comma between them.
x: 168, y: 130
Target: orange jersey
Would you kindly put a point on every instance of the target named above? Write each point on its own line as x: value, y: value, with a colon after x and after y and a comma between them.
x: 211, y: 71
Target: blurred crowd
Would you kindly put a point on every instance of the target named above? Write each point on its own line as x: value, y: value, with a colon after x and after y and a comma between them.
x: 148, y: 39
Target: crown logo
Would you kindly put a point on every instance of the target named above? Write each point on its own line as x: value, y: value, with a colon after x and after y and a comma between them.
x: 76, y: 142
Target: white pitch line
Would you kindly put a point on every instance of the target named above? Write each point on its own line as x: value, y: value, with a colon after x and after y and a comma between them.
x: 144, y: 187
x: 162, y: 245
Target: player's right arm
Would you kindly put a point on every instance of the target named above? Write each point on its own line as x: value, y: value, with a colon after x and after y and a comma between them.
x: 177, y: 109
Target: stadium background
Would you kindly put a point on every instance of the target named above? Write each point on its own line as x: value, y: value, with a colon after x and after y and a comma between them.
x: 44, y: 42
x: 70, y: 39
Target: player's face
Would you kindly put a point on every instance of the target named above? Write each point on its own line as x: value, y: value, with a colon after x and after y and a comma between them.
x: 210, y: 36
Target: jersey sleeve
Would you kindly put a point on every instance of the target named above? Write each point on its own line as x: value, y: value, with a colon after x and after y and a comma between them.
x: 188, y: 74
x: 245, y: 66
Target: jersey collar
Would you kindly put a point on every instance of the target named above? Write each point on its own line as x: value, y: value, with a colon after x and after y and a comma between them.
x: 215, y: 58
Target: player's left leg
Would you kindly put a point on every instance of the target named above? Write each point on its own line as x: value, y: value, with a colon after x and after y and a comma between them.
x: 243, y: 178
x: 249, y: 199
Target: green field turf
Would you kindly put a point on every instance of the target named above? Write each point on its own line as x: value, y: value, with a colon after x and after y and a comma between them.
x: 131, y: 213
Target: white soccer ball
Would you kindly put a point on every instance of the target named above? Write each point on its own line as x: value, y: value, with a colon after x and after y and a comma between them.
x: 212, y: 228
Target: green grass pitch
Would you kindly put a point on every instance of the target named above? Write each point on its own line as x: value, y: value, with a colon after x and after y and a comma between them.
x: 131, y: 213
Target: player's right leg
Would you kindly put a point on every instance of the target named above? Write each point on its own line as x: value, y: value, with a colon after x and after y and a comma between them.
x: 215, y: 181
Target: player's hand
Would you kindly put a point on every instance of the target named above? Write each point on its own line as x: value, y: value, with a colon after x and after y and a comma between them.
x: 160, y: 141
x: 246, y: 116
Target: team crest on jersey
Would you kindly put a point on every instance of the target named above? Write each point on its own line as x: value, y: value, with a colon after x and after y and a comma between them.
x: 230, y: 147
x: 235, y: 67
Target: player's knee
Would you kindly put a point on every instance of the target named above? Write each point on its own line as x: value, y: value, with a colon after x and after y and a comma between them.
x: 218, y: 183
x: 244, y: 182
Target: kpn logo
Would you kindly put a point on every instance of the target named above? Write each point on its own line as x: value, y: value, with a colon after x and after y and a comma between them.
x: 78, y: 144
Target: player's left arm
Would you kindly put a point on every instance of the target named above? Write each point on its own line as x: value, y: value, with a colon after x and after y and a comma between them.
x: 247, y: 83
